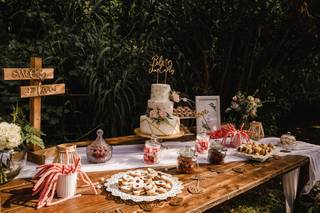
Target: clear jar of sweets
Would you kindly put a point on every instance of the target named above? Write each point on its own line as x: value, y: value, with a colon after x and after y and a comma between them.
x: 202, y: 143
x: 216, y: 152
x: 187, y: 160
x: 99, y: 151
x: 152, y: 151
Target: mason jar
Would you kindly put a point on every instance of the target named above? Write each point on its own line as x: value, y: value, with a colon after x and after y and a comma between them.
x: 187, y: 161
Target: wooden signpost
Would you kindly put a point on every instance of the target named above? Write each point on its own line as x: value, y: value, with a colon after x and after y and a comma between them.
x: 36, y: 74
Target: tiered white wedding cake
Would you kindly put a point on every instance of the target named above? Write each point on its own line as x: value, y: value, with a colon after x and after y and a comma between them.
x: 160, y: 120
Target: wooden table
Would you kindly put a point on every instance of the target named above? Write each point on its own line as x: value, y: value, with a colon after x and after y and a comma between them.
x: 219, y: 187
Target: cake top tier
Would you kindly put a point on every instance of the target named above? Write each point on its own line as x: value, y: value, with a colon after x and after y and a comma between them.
x: 160, y: 92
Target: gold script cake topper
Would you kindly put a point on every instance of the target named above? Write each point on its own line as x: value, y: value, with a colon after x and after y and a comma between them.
x: 161, y: 65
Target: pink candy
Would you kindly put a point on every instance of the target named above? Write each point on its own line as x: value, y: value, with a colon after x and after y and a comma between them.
x: 151, y: 155
x: 202, y: 146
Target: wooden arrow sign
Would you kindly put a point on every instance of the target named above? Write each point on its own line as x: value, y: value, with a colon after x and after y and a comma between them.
x: 41, y: 90
x: 27, y: 73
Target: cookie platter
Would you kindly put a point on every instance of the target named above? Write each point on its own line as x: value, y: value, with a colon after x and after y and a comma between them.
x: 256, y: 152
x: 143, y: 185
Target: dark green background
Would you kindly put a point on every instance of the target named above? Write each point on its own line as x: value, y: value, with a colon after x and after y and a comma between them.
x: 101, y: 50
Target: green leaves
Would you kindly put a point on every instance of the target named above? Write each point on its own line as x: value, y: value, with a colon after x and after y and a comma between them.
x: 29, y: 134
x: 102, y: 50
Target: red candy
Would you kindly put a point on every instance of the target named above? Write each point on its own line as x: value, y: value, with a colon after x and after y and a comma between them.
x: 151, y: 155
x: 202, y: 146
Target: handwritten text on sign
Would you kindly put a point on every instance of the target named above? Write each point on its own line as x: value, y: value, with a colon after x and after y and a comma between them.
x: 160, y: 65
x: 27, y: 73
x: 41, y: 90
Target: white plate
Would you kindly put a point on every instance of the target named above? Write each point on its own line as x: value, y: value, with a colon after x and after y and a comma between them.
x: 259, y: 158
x: 112, y: 186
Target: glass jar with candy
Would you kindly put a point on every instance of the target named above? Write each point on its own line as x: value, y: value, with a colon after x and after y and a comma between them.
x: 152, y: 151
x: 216, y: 152
x: 187, y: 160
x: 99, y: 151
x: 202, y: 143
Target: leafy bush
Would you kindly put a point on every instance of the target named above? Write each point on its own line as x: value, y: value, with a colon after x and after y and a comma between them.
x: 101, y: 50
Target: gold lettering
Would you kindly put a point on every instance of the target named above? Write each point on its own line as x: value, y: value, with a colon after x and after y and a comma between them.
x: 161, y: 65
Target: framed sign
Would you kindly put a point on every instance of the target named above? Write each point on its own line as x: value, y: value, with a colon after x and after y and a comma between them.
x: 208, y: 113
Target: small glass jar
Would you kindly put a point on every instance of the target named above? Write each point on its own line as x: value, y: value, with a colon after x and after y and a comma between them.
x: 187, y: 160
x: 216, y: 152
x: 152, y: 151
x: 202, y: 143
x: 66, y: 154
x: 99, y: 151
x: 288, y: 141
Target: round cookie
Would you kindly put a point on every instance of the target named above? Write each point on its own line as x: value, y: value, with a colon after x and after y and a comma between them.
x: 138, y: 192
x: 161, y: 190
x: 138, y: 186
x: 160, y: 183
x: 126, y: 189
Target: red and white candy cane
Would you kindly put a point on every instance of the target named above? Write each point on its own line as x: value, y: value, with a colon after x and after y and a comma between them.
x: 47, y: 181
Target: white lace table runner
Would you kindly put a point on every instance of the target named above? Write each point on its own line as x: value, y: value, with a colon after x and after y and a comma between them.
x: 131, y: 156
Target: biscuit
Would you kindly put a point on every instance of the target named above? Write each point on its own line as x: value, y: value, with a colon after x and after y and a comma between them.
x: 126, y: 189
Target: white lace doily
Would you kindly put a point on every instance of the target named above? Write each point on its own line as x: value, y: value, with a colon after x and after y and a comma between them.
x: 111, y: 185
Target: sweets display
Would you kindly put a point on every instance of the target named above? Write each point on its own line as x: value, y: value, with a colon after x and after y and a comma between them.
x: 202, y: 143
x: 160, y: 120
x: 185, y: 111
x: 99, y: 151
x: 187, y: 161
x: 256, y: 149
x: 145, y: 182
x: 288, y: 141
x: 48, y: 176
x: 216, y: 153
x: 151, y: 152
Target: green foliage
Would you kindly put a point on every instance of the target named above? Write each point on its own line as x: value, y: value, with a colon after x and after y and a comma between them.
x: 3, y: 175
x: 29, y: 134
x: 101, y: 51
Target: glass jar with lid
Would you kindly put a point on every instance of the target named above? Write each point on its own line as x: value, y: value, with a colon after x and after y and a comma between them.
x: 288, y: 141
x: 152, y: 151
x: 187, y: 160
x: 216, y: 152
x: 99, y: 151
x: 66, y: 154
x: 202, y: 143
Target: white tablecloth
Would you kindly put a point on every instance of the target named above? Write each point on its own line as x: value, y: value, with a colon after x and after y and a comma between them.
x: 131, y: 156
x: 304, y: 149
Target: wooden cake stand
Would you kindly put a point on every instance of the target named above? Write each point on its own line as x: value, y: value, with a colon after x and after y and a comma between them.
x: 138, y: 132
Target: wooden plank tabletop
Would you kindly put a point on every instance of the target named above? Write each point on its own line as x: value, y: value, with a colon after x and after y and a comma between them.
x: 219, y: 187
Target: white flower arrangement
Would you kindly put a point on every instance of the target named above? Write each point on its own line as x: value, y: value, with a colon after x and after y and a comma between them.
x: 10, y: 135
x: 174, y: 96
x: 242, y: 108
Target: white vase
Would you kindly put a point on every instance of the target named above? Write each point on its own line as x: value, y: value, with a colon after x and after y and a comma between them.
x: 67, y: 185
